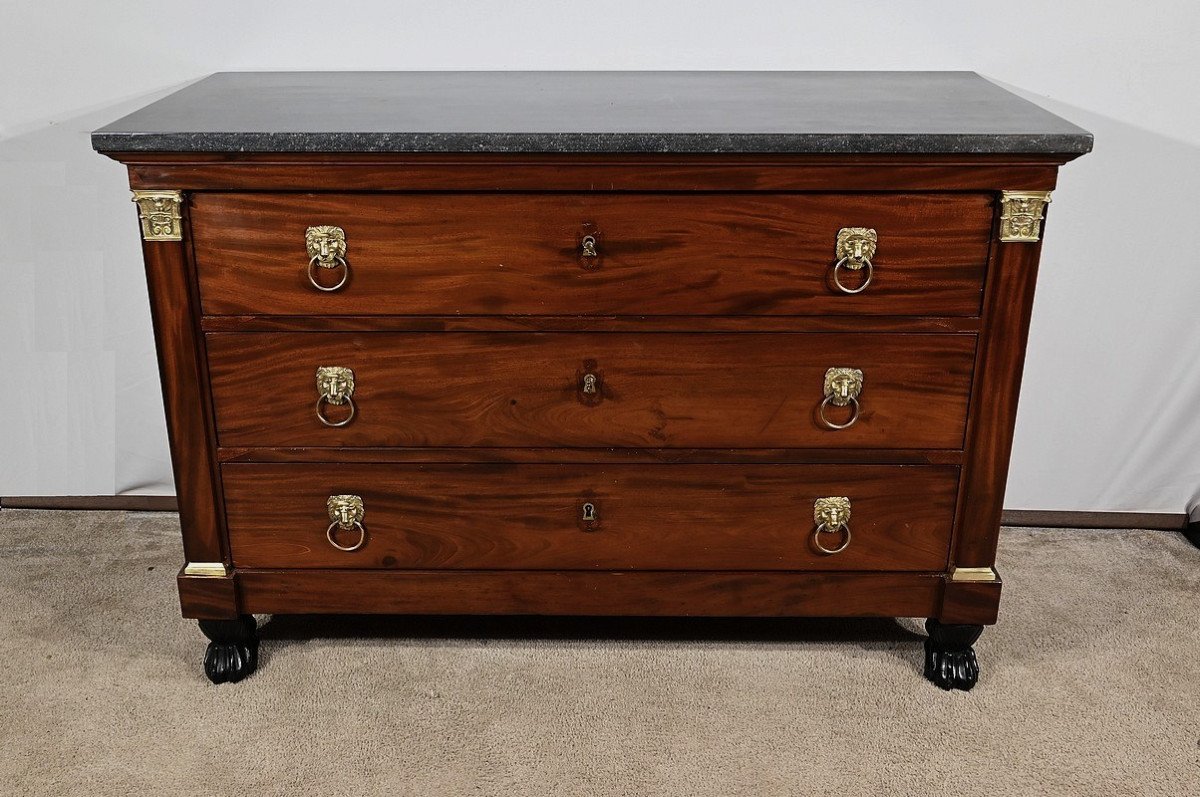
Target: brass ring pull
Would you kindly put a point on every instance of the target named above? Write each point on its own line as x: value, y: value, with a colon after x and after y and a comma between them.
x: 338, y: 261
x: 854, y: 249
x: 823, y: 529
x: 842, y: 389
x: 362, y: 536
x: 326, y: 246
x: 346, y: 401
x: 845, y: 261
x: 335, y: 385
x: 853, y: 403
x: 832, y: 515
x: 346, y: 512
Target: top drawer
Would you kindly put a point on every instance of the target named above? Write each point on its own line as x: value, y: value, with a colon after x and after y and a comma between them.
x: 530, y: 254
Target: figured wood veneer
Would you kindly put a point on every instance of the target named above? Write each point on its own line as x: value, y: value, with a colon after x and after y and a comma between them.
x: 941, y: 339
x: 677, y: 390
x: 645, y: 594
x: 649, y: 517
x: 657, y: 254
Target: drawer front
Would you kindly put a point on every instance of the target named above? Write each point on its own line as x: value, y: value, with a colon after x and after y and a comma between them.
x: 655, y: 254
x: 646, y: 517
x: 640, y: 390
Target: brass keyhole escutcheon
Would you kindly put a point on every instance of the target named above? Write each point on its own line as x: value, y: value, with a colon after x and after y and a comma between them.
x: 589, y: 385
x: 587, y: 247
x: 589, y: 519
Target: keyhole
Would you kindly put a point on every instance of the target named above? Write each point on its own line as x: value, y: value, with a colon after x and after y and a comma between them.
x: 589, y: 383
x: 589, y: 512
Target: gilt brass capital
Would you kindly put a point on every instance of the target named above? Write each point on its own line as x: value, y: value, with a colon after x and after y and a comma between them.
x: 160, y: 212
x: 1021, y: 214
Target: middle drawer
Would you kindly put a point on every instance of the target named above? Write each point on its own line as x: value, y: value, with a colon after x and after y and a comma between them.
x: 637, y: 390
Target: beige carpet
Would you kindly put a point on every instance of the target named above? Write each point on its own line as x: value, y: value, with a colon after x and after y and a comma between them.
x: 1090, y: 686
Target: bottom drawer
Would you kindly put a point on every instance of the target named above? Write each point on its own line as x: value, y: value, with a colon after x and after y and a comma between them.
x: 643, y: 517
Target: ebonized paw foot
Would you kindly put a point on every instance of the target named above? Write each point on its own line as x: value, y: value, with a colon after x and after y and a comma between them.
x: 949, y: 656
x: 1192, y: 532
x: 233, y: 652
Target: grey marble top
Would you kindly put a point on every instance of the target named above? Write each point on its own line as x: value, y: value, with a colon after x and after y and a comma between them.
x: 668, y: 112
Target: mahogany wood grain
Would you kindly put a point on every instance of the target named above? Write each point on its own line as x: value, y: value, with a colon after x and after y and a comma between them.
x: 467, y: 172
x: 207, y: 597
x: 648, y: 517
x: 659, y: 254
x: 973, y: 602
x: 665, y: 390
x: 705, y: 389
x: 642, y: 594
x: 559, y: 323
x: 586, y: 456
x: 183, y: 371
x: 993, y: 413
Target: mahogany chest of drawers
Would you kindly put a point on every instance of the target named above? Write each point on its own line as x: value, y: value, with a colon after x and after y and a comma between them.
x: 595, y: 344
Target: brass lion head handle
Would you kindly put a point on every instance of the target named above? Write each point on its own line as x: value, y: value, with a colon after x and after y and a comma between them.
x: 855, y: 249
x: 842, y: 389
x: 326, y: 247
x: 831, y: 516
x: 346, y: 514
x: 335, y: 386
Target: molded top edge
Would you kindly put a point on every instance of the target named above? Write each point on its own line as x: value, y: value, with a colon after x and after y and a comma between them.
x: 595, y: 112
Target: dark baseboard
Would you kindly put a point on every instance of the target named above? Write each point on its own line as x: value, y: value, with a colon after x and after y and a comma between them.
x: 128, y: 503
x: 1166, y: 521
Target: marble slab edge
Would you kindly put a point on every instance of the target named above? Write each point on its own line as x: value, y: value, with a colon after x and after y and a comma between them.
x: 1067, y: 144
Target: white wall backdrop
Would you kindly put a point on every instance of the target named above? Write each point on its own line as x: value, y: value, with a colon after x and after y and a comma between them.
x: 1108, y: 416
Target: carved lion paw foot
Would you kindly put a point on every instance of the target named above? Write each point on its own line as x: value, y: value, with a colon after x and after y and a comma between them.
x: 957, y: 669
x: 233, y: 653
x: 949, y: 656
x: 230, y: 663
